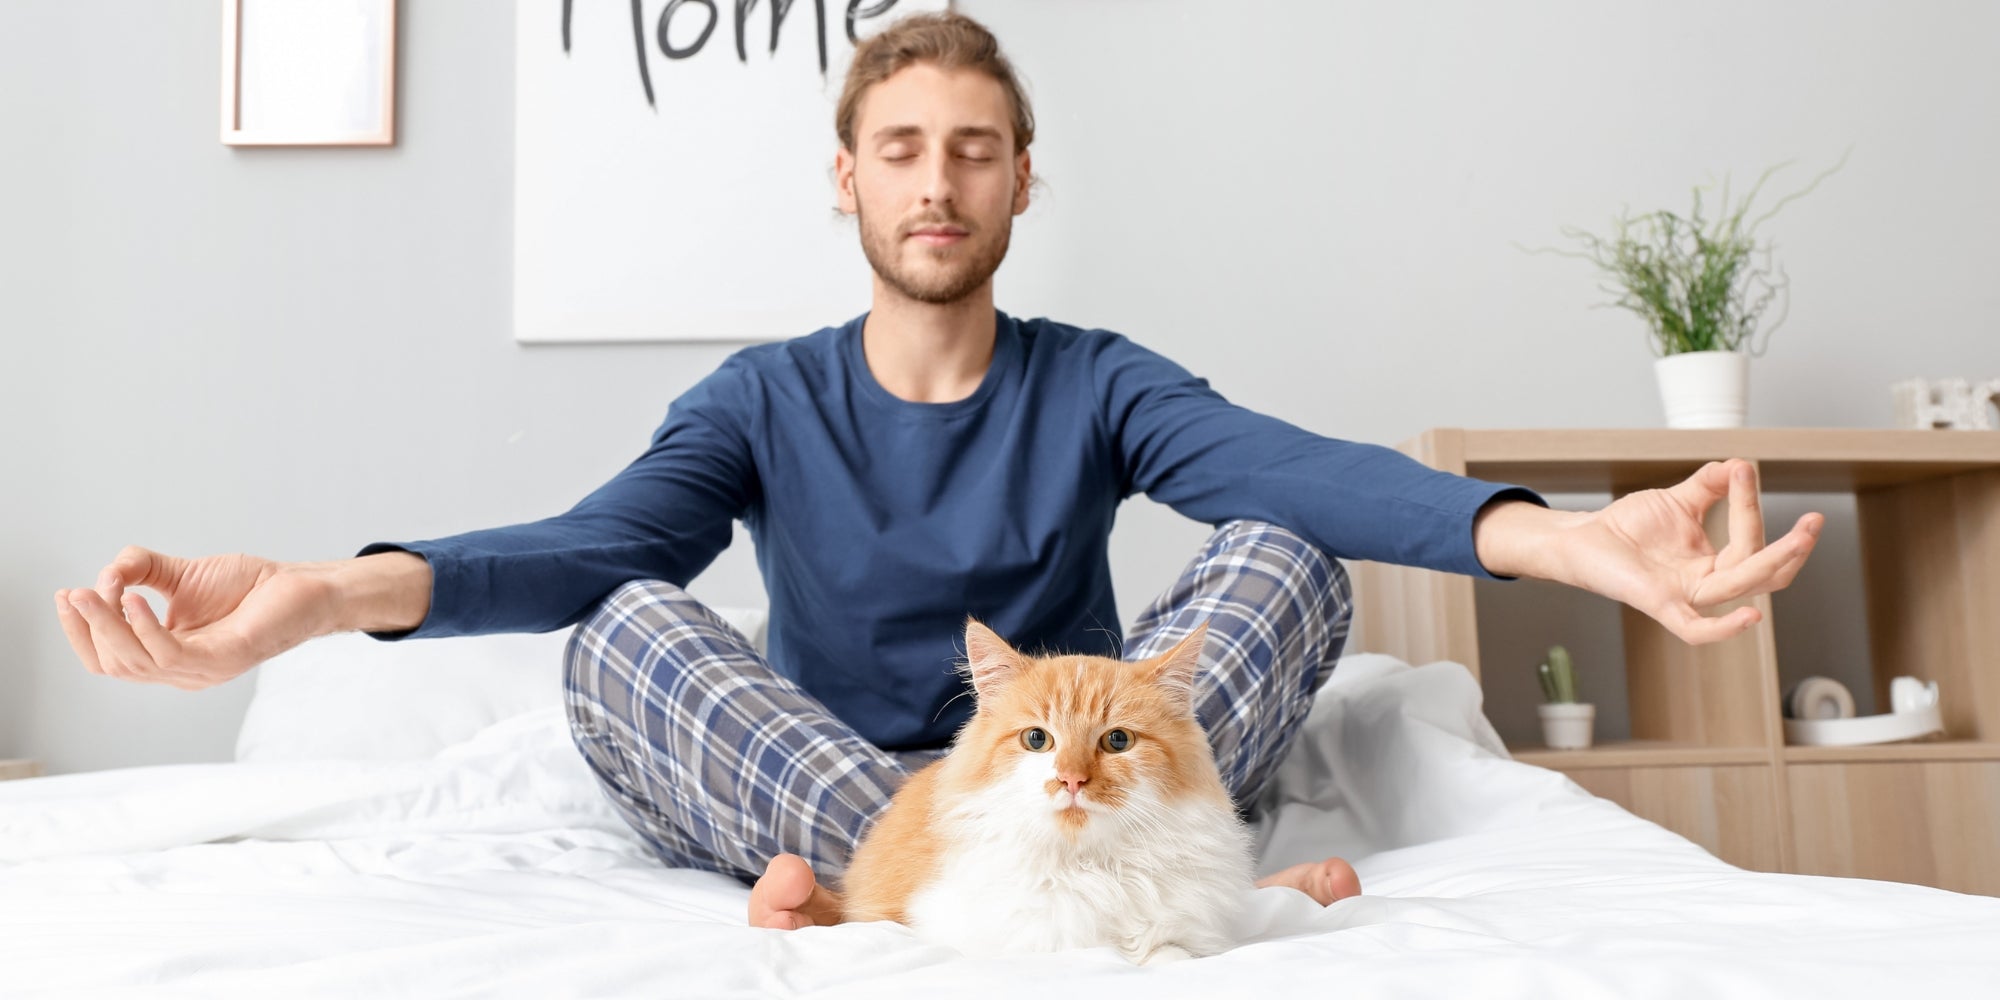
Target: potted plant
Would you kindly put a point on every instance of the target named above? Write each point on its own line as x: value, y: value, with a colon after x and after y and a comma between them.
x: 1566, y: 722
x: 1704, y: 289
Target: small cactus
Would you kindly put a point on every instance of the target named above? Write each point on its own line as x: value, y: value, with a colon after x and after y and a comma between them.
x: 1558, y: 677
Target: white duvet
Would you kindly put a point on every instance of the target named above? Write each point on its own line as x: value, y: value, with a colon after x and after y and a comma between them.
x: 495, y: 869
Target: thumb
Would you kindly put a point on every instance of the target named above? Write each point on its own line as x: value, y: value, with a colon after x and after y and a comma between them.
x: 158, y: 642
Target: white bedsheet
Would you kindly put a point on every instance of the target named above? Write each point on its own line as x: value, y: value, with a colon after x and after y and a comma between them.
x: 496, y: 869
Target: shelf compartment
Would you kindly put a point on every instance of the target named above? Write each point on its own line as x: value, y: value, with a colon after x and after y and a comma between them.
x: 1708, y: 758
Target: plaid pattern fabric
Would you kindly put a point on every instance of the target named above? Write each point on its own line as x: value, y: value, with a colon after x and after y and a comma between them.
x: 721, y: 764
x: 1278, y: 611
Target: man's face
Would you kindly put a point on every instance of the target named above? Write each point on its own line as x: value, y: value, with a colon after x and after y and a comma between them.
x: 935, y: 181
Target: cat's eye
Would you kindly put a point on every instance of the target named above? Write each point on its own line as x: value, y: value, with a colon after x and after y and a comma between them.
x: 1116, y: 741
x: 1037, y: 740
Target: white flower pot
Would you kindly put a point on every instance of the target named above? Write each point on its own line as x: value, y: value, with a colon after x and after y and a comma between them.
x: 1568, y: 725
x: 1704, y: 388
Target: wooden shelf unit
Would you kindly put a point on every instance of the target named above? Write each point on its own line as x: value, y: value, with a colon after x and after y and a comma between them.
x: 1707, y: 756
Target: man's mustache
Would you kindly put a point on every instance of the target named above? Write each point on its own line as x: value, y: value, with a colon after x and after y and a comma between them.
x: 952, y: 220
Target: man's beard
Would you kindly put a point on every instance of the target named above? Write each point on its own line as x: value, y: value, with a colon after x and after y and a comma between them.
x: 945, y: 285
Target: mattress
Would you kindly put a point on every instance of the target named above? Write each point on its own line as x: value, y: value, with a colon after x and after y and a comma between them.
x: 493, y: 867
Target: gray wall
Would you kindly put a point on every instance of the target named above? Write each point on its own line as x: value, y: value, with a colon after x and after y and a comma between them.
x: 294, y: 352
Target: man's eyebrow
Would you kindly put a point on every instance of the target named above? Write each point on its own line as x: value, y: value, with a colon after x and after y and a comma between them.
x: 889, y: 132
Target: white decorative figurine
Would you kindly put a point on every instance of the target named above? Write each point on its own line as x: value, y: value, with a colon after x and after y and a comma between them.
x: 1953, y: 403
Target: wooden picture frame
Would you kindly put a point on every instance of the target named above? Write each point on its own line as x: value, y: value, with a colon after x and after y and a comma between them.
x: 309, y: 72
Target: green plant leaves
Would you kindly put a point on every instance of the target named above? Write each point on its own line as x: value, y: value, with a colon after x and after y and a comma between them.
x: 1700, y: 284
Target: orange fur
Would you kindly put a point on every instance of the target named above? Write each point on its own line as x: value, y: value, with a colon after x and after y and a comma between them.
x: 1075, y: 699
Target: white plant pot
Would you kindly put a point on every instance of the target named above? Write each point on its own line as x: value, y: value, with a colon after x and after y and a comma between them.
x: 1702, y: 389
x: 1568, y: 725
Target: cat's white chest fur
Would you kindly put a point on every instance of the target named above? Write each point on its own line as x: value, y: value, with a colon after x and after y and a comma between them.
x: 1153, y: 880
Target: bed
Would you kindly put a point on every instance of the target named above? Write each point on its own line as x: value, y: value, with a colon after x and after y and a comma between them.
x: 411, y: 820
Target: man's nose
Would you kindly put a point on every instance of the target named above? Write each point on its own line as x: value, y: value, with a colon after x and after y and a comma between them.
x: 939, y: 185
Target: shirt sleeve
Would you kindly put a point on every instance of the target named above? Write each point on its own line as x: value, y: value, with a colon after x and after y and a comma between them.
x: 664, y: 517
x: 1181, y: 443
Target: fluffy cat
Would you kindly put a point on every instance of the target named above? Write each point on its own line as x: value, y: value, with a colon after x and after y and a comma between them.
x: 1079, y: 807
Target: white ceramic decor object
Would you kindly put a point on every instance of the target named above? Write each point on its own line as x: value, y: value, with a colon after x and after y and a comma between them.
x: 1819, y: 698
x: 1916, y: 715
x: 1704, y: 389
x: 1908, y: 694
x: 1567, y: 725
x: 1866, y: 729
x: 1950, y: 403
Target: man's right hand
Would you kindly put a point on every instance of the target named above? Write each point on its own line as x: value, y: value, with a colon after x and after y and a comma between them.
x: 226, y: 614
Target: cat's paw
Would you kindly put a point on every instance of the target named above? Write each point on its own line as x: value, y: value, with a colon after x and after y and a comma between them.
x: 1166, y: 953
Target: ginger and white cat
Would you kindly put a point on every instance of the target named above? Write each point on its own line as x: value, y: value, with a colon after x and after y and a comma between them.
x: 1079, y: 807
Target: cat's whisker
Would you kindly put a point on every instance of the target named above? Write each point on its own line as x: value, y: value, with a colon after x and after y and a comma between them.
x: 940, y: 712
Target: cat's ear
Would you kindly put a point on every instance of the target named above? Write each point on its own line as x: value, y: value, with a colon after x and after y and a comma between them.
x: 1175, y: 669
x: 989, y: 661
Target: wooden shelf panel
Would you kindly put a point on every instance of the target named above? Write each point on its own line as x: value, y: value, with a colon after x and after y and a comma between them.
x: 1731, y: 810
x: 1938, y: 750
x: 1639, y: 753
x: 1793, y: 460
x: 1924, y: 821
x: 1711, y: 761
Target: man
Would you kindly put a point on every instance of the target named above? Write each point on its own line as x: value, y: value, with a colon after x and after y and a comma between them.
x: 930, y: 460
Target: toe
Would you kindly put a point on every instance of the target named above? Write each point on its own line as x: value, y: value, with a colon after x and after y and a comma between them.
x: 1338, y: 880
x: 776, y: 899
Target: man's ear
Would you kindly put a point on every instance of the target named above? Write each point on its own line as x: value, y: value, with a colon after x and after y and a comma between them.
x: 1024, y: 178
x: 989, y: 661
x: 843, y: 180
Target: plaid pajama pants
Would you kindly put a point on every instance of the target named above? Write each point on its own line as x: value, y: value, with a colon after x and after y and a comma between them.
x: 721, y: 764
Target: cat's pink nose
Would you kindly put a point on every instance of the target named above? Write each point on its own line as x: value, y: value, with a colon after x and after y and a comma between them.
x: 1073, y: 781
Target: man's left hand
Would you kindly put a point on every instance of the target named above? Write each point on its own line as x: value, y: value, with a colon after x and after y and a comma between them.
x: 1649, y: 550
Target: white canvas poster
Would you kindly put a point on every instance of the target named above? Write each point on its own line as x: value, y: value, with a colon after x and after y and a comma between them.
x: 673, y: 168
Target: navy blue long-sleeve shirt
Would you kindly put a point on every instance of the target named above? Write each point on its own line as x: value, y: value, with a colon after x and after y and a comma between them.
x: 880, y: 524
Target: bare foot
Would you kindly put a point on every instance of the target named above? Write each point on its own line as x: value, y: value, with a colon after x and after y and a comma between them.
x: 787, y: 898
x: 1325, y: 881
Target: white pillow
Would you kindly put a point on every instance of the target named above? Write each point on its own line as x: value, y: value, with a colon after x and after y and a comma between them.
x: 352, y: 697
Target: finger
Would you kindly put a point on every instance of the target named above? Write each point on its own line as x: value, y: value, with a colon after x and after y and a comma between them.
x: 1759, y: 573
x: 1746, y: 517
x: 117, y: 647
x: 1807, y: 532
x: 1697, y: 629
x: 1700, y: 491
x: 169, y: 652
x: 160, y: 644
x: 85, y: 604
x: 137, y: 567
x: 77, y: 631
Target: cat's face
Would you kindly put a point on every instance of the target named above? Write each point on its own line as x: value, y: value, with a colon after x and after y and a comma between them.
x: 1083, y: 740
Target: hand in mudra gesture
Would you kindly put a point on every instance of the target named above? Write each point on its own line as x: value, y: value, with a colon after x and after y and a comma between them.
x: 1649, y: 549
x: 225, y: 614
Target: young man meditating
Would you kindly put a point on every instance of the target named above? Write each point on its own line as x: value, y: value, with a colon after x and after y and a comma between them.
x: 932, y: 459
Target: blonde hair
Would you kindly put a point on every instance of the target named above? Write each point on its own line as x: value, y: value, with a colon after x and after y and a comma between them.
x: 950, y: 41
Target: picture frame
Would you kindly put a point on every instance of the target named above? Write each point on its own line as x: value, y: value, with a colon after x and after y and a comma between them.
x: 309, y: 72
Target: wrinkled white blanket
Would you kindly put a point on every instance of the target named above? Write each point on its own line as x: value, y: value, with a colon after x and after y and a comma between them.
x: 495, y: 869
